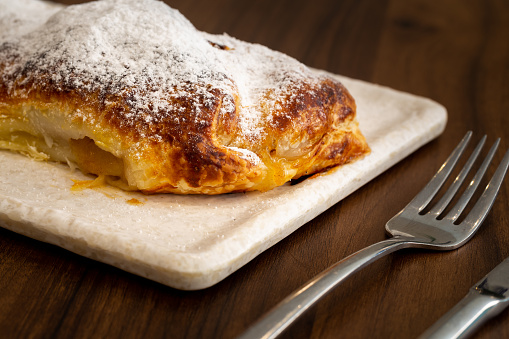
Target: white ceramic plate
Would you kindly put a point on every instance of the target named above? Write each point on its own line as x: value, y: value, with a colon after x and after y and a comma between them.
x: 192, y: 242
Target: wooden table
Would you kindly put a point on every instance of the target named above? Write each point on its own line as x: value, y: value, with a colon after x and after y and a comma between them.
x: 452, y: 51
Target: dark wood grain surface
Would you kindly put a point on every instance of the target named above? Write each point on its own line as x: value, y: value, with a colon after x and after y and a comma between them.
x: 455, y: 52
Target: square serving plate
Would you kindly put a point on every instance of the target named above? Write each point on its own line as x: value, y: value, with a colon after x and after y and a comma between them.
x: 193, y: 242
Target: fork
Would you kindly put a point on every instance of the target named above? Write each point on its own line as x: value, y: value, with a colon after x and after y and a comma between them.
x: 414, y: 227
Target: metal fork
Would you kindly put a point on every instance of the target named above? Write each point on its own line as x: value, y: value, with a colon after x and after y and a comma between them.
x: 409, y: 228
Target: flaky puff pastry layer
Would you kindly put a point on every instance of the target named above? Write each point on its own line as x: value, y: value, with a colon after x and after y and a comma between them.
x: 203, y: 114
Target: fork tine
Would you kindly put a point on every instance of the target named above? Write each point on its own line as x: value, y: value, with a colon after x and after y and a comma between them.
x: 467, y: 195
x: 423, y: 198
x: 483, y: 205
x: 447, y: 197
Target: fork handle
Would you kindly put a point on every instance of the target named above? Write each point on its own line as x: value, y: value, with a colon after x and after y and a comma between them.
x: 287, y: 311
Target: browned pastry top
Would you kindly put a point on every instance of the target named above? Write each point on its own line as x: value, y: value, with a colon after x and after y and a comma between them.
x: 181, y: 110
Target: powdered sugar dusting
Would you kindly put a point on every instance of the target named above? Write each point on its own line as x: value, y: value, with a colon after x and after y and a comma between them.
x: 152, y: 52
x: 246, y: 155
x: 22, y: 16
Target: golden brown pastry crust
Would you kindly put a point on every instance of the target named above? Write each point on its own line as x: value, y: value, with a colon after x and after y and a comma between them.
x: 300, y: 127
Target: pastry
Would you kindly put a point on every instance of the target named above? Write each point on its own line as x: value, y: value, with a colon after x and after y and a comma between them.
x: 132, y: 92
